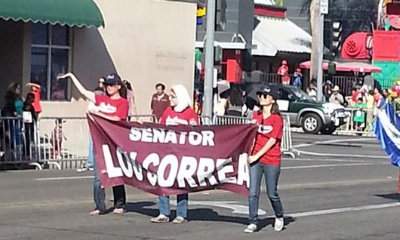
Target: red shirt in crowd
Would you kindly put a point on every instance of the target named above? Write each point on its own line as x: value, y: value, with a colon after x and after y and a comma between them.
x: 113, y: 107
x: 283, y: 71
x: 186, y: 117
x: 270, y: 127
x: 36, y: 100
x: 159, y: 104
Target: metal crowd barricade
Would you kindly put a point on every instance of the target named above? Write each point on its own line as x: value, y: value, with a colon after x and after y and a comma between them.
x: 64, y: 141
x: 143, y: 118
x: 286, y: 142
x: 17, y: 141
x: 353, y: 127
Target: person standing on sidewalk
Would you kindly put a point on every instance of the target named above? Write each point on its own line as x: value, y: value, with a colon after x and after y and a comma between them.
x: 114, y: 107
x: 159, y: 102
x: 265, y: 158
x: 179, y: 113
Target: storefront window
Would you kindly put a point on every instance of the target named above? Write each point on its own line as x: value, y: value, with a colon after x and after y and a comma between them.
x: 50, y: 57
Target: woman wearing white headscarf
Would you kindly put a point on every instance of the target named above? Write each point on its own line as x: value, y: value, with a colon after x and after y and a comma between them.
x: 179, y: 113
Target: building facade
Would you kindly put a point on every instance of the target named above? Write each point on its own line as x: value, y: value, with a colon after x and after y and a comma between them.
x: 145, y: 41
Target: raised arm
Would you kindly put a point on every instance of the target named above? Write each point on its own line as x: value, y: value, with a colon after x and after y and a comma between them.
x: 89, y: 95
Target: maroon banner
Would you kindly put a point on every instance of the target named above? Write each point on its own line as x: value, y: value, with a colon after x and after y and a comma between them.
x: 167, y: 160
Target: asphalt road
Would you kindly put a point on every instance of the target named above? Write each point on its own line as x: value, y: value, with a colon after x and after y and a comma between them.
x: 339, y: 188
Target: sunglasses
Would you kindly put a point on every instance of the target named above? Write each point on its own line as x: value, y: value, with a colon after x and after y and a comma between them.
x: 262, y: 95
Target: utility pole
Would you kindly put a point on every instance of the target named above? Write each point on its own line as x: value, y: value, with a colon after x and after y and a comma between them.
x: 318, y: 9
x: 209, y: 60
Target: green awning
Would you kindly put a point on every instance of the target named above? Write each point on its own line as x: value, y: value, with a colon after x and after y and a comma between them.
x: 73, y: 13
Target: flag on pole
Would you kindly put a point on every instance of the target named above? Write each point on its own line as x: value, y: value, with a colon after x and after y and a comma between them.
x: 387, y: 131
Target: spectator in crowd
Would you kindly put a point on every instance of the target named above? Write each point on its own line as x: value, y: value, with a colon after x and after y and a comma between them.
x: 234, y: 102
x: 30, y: 125
x: 221, y: 103
x: 265, y: 158
x: 35, y: 89
x: 13, y: 107
x: 179, y: 113
x: 385, y: 93
x: 159, y: 101
x: 370, y: 109
x: 198, y: 102
x: 355, y: 93
x: 113, y: 107
x: 57, y: 138
x: 130, y: 97
x: 12, y: 100
x: 327, y: 90
x: 312, y: 92
x: 283, y: 72
x: 359, y: 116
x: 396, y: 88
x: 298, y: 78
x: 336, y: 96
x: 379, y: 99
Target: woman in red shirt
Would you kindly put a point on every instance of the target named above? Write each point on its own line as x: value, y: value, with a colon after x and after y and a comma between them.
x: 112, y: 106
x: 179, y: 113
x: 265, y: 158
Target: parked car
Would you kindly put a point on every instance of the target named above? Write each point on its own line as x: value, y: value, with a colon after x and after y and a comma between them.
x: 305, y: 112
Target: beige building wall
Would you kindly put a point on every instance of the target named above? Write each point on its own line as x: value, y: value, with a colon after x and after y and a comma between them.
x: 145, y: 41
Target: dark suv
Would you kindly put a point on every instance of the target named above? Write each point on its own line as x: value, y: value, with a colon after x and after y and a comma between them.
x: 305, y: 112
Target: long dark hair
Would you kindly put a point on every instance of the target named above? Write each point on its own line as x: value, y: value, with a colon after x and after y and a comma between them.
x: 275, y: 108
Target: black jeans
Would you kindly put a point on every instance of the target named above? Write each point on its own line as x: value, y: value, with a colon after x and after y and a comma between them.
x: 119, y: 196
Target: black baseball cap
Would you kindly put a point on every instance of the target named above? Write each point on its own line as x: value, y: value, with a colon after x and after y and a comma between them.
x: 268, y: 91
x: 112, y: 79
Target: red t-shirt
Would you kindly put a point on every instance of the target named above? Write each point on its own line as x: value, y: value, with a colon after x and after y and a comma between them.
x: 186, y: 117
x: 36, y: 100
x: 113, y: 107
x: 271, y: 127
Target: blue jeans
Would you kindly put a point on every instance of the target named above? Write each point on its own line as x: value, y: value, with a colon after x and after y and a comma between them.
x: 181, y: 207
x: 99, y: 194
x: 90, y: 160
x: 271, y: 174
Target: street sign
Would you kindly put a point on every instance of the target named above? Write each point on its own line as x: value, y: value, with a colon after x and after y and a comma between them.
x: 324, y: 6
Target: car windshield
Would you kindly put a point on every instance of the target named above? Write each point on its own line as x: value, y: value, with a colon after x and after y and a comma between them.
x: 301, y: 94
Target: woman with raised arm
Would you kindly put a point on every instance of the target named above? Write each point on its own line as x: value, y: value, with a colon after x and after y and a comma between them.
x: 265, y: 158
x: 114, y: 107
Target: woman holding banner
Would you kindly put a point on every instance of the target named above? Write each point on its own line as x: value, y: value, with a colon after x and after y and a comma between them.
x: 179, y: 113
x: 112, y: 106
x: 265, y: 158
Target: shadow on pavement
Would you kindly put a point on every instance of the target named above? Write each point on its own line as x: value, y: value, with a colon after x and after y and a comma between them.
x: 200, y: 214
x: 393, y: 196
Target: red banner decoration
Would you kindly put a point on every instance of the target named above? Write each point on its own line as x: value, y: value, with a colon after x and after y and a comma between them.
x: 172, y: 160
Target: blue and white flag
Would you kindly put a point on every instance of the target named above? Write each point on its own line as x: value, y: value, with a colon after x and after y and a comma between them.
x: 387, y: 131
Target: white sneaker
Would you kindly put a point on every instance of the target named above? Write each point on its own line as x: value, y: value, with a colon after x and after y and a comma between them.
x: 179, y: 220
x: 160, y: 219
x: 279, y: 223
x: 84, y: 169
x: 251, y: 228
